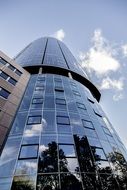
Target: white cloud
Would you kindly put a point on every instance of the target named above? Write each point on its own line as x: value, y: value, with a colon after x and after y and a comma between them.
x: 108, y: 83
x: 60, y: 34
x: 124, y: 50
x: 100, y: 62
x: 100, y: 57
x: 117, y: 97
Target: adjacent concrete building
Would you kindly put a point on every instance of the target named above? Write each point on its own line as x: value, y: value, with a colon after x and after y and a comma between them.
x: 60, y: 138
x: 13, y: 81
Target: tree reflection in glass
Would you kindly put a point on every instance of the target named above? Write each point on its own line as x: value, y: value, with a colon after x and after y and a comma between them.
x: 120, y: 168
x: 47, y: 182
x: 48, y: 159
x: 23, y: 183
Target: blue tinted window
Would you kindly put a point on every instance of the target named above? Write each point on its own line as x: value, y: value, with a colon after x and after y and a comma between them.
x: 4, y: 93
x: 87, y: 124
x: 3, y: 61
x: 4, y: 75
x: 64, y: 120
x: 19, y: 73
x: 12, y: 81
x: 37, y: 101
x: 34, y: 120
x: 60, y: 101
x: 28, y: 151
x: 11, y: 67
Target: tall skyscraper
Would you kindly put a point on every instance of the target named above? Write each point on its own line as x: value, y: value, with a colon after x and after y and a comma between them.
x: 60, y: 138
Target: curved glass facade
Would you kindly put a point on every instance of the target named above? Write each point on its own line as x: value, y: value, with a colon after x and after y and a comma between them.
x: 61, y: 140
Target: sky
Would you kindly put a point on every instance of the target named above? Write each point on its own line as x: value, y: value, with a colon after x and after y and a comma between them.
x: 94, y: 30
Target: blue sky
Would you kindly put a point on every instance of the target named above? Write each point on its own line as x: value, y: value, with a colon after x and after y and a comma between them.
x: 94, y: 30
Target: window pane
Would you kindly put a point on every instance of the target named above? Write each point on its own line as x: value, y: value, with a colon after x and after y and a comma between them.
x: 18, y: 72
x: 4, y: 75
x: 30, y: 139
x: 37, y: 100
x: 3, y: 61
x: 48, y: 156
x: 23, y: 182
x: 66, y: 150
x: 63, y: 120
x: 98, y: 153
x: 48, y: 182
x: 87, y: 124
x: 34, y: 120
x: 29, y: 151
x: 26, y: 167
x: 60, y: 101
x: 12, y: 81
x: 68, y: 164
x: 4, y: 93
x: 11, y: 67
x: 70, y: 181
x: 59, y: 89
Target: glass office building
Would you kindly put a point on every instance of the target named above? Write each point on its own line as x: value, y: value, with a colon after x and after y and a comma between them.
x: 60, y: 138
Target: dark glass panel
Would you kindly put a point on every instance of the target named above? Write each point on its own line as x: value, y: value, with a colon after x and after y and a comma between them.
x: 47, y: 182
x: 28, y: 151
x: 70, y: 181
x: 109, y: 182
x: 19, y: 73
x: 91, y: 181
x: 12, y: 81
x: 11, y: 67
x: 4, y: 75
x: 3, y: 61
x: 26, y: 167
x: 98, y: 153
x: 84, y: 153
x: 4, y: 93
x: 48, y: 158
x: 34, y: 120
x: 23, y: 183
x: 103, y: 167
x: 91, y: 101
